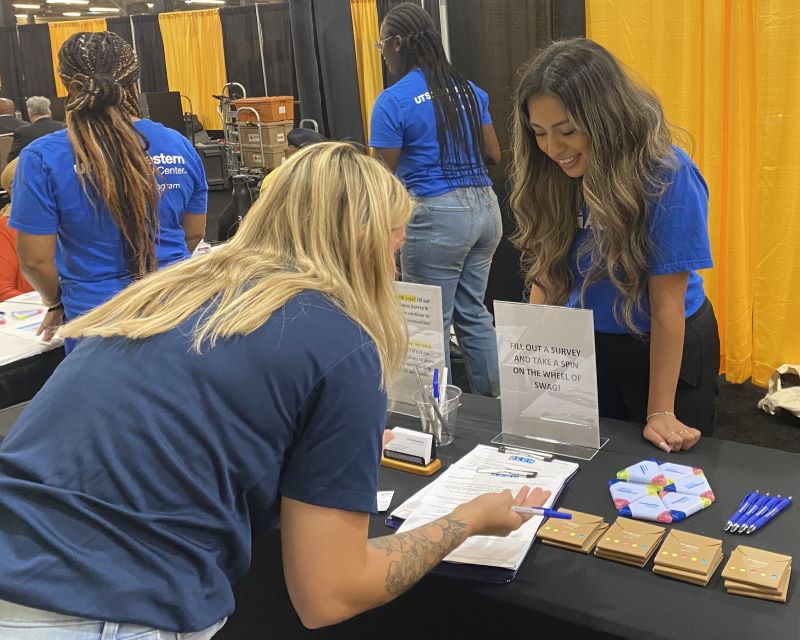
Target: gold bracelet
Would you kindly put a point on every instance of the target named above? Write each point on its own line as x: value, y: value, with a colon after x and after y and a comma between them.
x: 658, y: 413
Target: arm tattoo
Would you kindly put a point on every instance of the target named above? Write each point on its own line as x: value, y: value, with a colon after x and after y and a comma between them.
x: 413, y: 553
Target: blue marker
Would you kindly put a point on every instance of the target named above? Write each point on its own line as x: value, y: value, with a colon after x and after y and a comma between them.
x: 547, y: 513
x: 755, y: 506
x: 769, y: 515
x: 759, y: 512
x: 436, y: 385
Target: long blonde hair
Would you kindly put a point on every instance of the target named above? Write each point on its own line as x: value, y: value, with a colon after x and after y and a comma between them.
x: 631, y: 155
x: 324, y: 223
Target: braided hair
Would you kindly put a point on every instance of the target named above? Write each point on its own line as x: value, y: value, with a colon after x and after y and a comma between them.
x: 100, y: 71
x: 458, y: 120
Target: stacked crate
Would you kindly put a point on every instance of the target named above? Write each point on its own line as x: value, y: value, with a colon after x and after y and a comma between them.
x: 263, y: 143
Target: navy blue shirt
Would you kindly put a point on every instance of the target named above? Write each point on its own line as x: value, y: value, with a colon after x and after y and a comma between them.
x: 48, y: 199
x: 403, y: 118
x: 680, y: 243
x: 130, y: 483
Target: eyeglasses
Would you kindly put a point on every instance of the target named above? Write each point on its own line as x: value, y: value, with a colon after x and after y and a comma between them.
x: 379, y: 44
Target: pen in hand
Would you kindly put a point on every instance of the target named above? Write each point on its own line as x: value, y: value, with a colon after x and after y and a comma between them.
x: 547, y: 513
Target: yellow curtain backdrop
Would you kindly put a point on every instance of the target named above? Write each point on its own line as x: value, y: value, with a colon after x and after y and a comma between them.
x: 60, y: 32
x: 194, y: 59
x: 728, y: 72
x: 366, y: 31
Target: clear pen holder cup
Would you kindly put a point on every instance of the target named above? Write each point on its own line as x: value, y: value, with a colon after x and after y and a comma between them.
x: 444, y: 430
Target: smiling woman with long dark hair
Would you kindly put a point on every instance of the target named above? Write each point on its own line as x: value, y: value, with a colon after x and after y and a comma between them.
x: 612, y: 216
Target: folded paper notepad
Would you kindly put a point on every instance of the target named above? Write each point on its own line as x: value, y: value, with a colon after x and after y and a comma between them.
x: 580, y: 534
x: 688, y: 557
x: 629, y: 541
x: 758, y: 574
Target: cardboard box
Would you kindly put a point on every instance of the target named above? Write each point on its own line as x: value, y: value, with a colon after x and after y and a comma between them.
x: 270, y: 109
x: 252, y: 158
x: 273, y: 134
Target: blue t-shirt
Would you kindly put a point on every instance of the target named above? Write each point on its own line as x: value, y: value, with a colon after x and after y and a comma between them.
x: 679, y: 237
x: 48, y: 200
x: 403, y: 118
x: 130, y: 484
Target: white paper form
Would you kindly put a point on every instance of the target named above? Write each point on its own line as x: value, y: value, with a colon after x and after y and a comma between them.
x: 486, y: 456
x: 461, y: 483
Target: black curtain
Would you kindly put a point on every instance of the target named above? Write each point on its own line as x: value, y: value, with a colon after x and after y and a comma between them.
x: 278, y: 53
x: 489, y: 41
x: 306, y: 60
x: 570, y: 18
x: 432, y: 7
x: 122, y: 27
x: 337, y: 62
x: 242, y: 48
x: 9, y: 64
x: 150, y: 50
x: 36, y: 63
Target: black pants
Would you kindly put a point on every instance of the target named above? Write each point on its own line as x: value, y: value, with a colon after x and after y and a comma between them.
x: 623, y: 373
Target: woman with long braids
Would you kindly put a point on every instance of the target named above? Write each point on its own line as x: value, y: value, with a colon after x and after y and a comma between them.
x: 612, y: 217
x: 434, y: 129
x: 118, y: 194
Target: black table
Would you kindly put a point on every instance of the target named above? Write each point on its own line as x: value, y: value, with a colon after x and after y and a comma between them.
x: 559, y: 591
x: 21, y: 380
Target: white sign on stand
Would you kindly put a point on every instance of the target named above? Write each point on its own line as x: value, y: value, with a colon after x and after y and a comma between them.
x: 422, y: 308
x: 548, y: 379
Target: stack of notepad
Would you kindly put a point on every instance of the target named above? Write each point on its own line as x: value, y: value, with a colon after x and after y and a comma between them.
x: 580, y: 534
x: 758, y: 574
x: 688, y: 557
x: 629, y: 541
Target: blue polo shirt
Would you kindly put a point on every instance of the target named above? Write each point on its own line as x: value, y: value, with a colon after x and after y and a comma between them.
x: 130, y: 484
x: 680, y: 243
x: 48, y: 200
x: 403, y: 118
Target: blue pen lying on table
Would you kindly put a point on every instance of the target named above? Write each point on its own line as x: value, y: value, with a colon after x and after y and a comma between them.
x: 765, y: 506
x: 740, y: 518
x: 748, y: 500
x: 547, y: 513
x: 769, y: 515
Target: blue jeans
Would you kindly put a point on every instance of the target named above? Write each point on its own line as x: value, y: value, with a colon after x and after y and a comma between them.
x: 23, y: 623
x: 450, y: 242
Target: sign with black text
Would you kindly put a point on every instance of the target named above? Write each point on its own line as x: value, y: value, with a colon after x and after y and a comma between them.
x: 422, y: 308
x: 548, y: 375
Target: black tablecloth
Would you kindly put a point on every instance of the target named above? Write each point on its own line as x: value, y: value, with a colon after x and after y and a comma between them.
x: 21, y: 380
x: 558, y: 591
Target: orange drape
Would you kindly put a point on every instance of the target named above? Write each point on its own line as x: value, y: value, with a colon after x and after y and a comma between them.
x: 728, y: 71
x: 368, y: 59
x: 195, y: 59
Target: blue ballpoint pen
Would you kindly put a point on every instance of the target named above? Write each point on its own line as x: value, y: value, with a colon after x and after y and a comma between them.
x: 547, y: 513
x: 745, y: 524
x: 769, y: 515
x: 740, y: 518
x: 436, y: 385
x: 748, y: 500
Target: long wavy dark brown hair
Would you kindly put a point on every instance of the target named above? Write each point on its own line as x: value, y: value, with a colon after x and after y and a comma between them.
x: 631, y: 155
x: 100, y: 71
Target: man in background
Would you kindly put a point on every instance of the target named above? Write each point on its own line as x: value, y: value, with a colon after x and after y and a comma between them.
x: 41, y: 124
x: 8, y: 117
